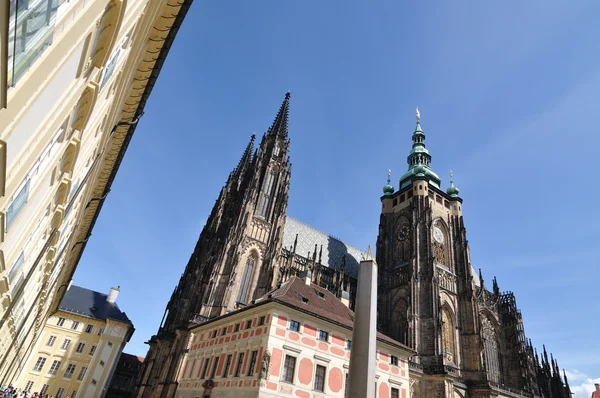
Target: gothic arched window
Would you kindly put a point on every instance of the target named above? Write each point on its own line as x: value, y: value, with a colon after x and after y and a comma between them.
x: 491, y: 350
x: 448, y: 342
x: 246, y: 279
x: 265, y: 195
x: 400, y: 323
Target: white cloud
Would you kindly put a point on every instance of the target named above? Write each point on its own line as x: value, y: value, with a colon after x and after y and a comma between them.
x: 581, y: 384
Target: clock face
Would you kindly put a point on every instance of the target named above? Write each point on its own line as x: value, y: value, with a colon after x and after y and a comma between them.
x: 404, y: 232
x: 438, y: 235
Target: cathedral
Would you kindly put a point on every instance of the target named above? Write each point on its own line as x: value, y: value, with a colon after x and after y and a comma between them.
x: 469, y: 338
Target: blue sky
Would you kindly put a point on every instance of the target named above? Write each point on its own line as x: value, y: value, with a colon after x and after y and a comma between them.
x: 508, y: 94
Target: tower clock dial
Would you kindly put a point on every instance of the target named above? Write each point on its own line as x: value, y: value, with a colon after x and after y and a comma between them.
x: 438, y: 235
x: 404, y: 233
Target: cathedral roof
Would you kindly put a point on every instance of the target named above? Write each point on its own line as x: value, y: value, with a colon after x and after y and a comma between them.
x: 333, y: 248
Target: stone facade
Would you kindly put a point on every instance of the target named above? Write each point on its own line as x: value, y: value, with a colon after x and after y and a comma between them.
x: 469, y: 340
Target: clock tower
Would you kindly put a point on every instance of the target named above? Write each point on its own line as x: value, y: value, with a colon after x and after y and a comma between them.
x: 425, y: 279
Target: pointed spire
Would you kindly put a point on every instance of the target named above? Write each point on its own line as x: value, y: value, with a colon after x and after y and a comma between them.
x: 419, y: 160
x: 369, y: 255
x: 280, y: 124
x: 320, y: 254
x: 247, y: 156
x: 497, y: 293
x: 295, y: 243
x: 480, y: 278
x: 566, y: 380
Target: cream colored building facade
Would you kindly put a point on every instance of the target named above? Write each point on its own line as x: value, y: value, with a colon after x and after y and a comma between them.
x: 74, y: 78
x: 78, y: 348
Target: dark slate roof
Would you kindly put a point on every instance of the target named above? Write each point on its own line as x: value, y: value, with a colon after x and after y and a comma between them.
x: 333, y: 248
x: 91, y: 304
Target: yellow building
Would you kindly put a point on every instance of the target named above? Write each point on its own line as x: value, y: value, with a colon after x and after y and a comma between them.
x: 74, y: 78
x: 79, y: 346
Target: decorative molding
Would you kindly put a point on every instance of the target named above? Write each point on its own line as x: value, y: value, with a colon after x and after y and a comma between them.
x: 394, y: 381
x: 322, y: 359
x: 292, y: 349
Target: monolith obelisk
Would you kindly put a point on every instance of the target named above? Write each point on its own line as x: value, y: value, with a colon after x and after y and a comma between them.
x: 361, y: 378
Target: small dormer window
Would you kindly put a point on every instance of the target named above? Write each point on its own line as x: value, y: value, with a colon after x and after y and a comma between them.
x: 320, y: 294
x: 302, y: 298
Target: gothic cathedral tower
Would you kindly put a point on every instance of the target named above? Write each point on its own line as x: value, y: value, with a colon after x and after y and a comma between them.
x: 236, y: 257
x: 425, y: 279
x: 469, y: 341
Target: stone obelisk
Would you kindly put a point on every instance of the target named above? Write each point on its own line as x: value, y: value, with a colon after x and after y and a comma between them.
x: 361, y: 378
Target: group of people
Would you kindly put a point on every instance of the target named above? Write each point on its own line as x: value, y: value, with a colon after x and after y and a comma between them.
x: 12, y: 392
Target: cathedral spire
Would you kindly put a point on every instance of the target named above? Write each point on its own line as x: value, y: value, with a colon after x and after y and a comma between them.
x: 497, y: 290
x: 481, y: 279
x: 419, y: 159
x: 246, y: 156
x: 566, y: 380
x: 280, y: 124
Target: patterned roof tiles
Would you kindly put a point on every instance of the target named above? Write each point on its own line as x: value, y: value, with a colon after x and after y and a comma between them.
x: 333, y: 248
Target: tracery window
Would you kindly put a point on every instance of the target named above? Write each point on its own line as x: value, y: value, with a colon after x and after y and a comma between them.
x: 403, y: 233
x: 265, y: 195
x: 246, y: 279
x: 491, y: 350
x: 400, y: 323
x: 448, y: 345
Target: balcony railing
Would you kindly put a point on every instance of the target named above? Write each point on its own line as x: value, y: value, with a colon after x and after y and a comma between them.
x: 198, y: 319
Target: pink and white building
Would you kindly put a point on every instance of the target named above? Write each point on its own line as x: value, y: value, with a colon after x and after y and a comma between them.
x: 295, y: 341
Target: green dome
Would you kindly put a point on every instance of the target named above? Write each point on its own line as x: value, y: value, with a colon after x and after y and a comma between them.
x: 452, y: 190
x: 388, y: 189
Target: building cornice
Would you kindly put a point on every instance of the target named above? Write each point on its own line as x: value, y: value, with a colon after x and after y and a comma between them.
x: 157, y: 45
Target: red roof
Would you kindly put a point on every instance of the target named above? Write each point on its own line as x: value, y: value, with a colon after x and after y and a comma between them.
x: 319, y: 302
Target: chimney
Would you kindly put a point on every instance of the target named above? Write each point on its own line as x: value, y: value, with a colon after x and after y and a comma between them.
x: 112, y: 295
x: 345, y: 298
x: 307, y: 276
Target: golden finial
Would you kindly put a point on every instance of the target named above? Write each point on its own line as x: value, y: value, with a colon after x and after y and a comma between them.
x: 418, y: 114
x: 389, y: 172
x: 451, y: 176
